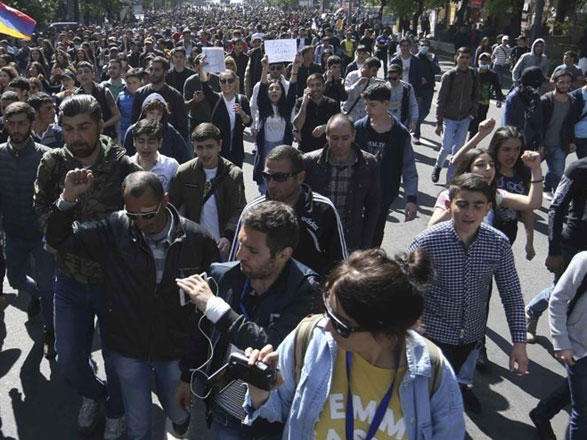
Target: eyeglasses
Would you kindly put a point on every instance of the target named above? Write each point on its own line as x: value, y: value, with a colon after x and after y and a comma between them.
x: 226, y: 81
x: 278, y: 177
x: 343, y: 329
x: 143, y: 215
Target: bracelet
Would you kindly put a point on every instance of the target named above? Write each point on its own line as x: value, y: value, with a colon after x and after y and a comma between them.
x: 537, y: 181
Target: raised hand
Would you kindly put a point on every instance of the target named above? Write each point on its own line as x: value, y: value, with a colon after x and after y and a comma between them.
x: 77, y: 182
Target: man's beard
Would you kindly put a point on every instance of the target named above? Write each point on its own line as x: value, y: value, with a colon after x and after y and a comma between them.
x: 264, y: 272
x: 81, y: 150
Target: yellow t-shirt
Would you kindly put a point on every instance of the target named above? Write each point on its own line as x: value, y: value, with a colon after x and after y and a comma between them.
x: 368, y: 386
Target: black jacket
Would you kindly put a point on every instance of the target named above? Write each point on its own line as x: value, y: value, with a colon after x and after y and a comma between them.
x: 143, y: 320
x: 322, y: 243
x: 364, y: 199
x: 568, y: 129
x: 276, y: 313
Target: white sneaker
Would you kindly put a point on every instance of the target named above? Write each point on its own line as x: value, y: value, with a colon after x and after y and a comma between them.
x: 548, y: 195
x: 88, y: 415
x: 114, y: 428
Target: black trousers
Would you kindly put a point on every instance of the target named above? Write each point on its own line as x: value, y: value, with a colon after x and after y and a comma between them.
x: 455, y: 354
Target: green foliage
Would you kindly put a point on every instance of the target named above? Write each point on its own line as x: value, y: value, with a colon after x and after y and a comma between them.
x: 43, y: 11
x: 405, y: 8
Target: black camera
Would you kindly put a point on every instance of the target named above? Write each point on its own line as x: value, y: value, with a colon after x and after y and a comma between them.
x: 259, y: 375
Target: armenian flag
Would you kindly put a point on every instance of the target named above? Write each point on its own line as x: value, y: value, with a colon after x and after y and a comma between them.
x: 16, y: 23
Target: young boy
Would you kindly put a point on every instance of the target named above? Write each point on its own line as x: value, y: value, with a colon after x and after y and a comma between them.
x: 125, y: 99
x: 488, y: 85
x: 382, y: 135
x: 147, y: 137
x: 467, y: 254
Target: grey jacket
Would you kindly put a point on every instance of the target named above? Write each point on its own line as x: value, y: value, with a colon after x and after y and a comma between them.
x: 530, y: 59
x: 570, y: 332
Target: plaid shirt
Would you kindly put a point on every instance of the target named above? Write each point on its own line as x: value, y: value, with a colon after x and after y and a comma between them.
x: 455, y: 306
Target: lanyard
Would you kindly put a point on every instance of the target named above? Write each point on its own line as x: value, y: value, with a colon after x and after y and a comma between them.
x: 350, y: 414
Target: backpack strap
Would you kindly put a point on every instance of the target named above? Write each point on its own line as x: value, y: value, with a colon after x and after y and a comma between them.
x: 436, y: 361
x: 302, y: 336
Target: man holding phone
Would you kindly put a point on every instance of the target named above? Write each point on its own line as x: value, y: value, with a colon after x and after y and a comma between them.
x: 260, y: 299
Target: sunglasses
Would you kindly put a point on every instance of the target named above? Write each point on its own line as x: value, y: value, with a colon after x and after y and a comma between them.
x: 226, y: 81
x: 278, y: 177
x: 274, y: 68
x: 343, y: 329
x: 143, y: 215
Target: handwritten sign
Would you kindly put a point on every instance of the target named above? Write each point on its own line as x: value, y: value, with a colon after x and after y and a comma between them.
x: 280, y: 51
x: 214, y: 59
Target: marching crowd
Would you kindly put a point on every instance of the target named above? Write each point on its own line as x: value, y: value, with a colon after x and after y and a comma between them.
x: 122, y: 199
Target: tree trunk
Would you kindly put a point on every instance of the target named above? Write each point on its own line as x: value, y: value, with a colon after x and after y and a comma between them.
x: 381, y: 6
x: 460, y: 19
x: 417, y: 15
x: 537, y: 22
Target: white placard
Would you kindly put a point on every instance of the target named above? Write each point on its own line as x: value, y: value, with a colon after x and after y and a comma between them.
x: 280, y: 51
x: 214, y: 59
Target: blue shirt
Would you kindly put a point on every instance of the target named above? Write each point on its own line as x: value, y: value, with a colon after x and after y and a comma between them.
x: 455, y: 306
x: 124, y: 102
x: 581, y: 126
x: 299, y: 405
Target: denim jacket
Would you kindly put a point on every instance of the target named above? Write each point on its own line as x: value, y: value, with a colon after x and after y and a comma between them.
x: 439, y: 417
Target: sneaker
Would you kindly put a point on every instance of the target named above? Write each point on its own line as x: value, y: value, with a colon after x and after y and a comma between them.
x: 417, y: 141
x: 531, y: 324
x: 181, y: 430
x: 543, y: 427
x: 548, y: 195
x: 482, y: 361
x: 34, y: 308
x: 114, y: 428
x: 470, y: 400
x: 87, y: 418
x: 49, y: 344
x: 435, y: 174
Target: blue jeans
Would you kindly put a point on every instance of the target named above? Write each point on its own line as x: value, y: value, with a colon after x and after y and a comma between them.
x: 30, y: 267
x: 135, y: 378
x: 76, y: 307
x: 578, y: 385
x: 467, y: 372
x: 455, y: 133
x: 555, y: 160
x: 424, y: 104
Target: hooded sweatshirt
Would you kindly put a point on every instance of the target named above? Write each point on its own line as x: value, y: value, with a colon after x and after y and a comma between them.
x: 531, y: 59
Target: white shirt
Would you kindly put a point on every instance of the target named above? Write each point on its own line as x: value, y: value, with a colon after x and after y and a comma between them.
x: 209, y: 216
x: 231, y: 113
x: 274, y: 127
x: 165, y: 167
x: 406, y: 68
x: 255, y: 96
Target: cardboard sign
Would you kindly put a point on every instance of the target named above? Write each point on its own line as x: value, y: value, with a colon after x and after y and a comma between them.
x: 214, y: 59
x: 281, y: 51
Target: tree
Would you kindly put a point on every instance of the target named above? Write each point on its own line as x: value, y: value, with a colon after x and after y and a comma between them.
x: 406, y: 9
x: 43, y: 11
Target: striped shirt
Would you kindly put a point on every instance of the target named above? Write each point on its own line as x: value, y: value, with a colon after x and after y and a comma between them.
x: 455, y: 306
x: 501, y: 55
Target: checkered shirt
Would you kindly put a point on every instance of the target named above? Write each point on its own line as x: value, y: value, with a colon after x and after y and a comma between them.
x: 341, y: 174
x: 455, y: 306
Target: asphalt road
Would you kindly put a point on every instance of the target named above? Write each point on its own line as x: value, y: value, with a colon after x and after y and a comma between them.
x: 36, y: 404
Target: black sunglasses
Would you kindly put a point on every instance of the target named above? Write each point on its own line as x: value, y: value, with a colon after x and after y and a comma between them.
x: 278, y: 177
x: 343, y: 329
x: 226, y: 81
x: 144, y: 215
x: 278, y: 67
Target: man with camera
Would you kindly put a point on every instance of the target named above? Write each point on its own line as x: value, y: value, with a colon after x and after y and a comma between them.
x: 259, y: 300
x: 142, y: 250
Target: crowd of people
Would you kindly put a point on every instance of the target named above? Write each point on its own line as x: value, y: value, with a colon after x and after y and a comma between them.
x: 122, y: 199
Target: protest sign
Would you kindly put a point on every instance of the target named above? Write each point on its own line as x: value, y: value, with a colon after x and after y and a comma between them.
x: 281, y: 51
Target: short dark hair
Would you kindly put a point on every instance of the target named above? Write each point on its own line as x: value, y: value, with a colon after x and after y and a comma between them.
x: 162, y: 61
x: 380, y: 293
x: 152, y: 129
x: 205, y: 131
x: 139, y: 182
x: 470, y: 182
x: 377, y: 92
x: 404, y: 40
x: 372, y: 62
x: 306, y: 49
x: 178, y: 49
x: 332, y: 60
x: 289, y: 153
x: 277, y: 221
x: 38, y: 99
x: 572, y: 54
x: 85, y: 64
x: 18, y: 108
x: 8, y: 95
x: 81, y: 104
x: 315, y: 76
x: 463, y: 50
x: 134, y: 73
x: 20, y: 83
